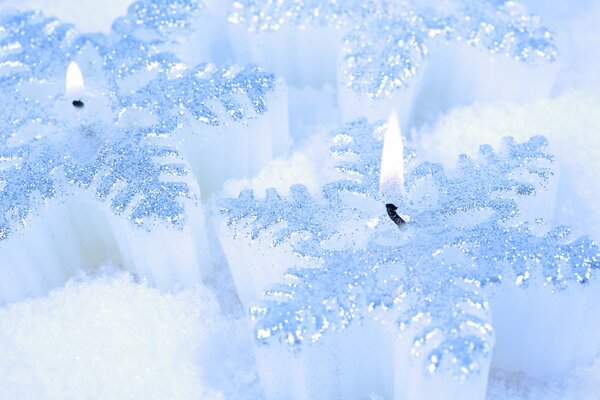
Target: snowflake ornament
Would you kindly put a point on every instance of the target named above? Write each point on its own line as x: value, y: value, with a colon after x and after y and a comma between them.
x: 386, y: 43
x: 122, y: 144
x: 434, y: 278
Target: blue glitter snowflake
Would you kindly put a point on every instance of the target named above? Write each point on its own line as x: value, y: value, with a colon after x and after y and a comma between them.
x: 386, y: 42
x: 121, y: 144
x: 434, y: 275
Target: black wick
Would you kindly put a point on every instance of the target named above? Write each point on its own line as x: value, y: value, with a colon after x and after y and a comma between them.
x: 391, y: 211
x: 78, y: 104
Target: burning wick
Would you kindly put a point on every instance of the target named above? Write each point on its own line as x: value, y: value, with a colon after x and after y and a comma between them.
x: 391, y: 211
x: 75, y: 85
x: 391, y: 180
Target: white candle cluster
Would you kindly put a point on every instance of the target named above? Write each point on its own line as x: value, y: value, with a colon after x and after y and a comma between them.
x: 116, y: 148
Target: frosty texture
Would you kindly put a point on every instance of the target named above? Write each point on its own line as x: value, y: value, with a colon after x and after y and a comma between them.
x: 121, y: 144
x: 166, y: 345
x: 156, y: 21
x: 432, y: 277
x: 387, y: 42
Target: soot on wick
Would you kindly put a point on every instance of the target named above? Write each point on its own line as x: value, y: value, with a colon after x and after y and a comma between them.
x: 78, y: 104
x: 391, y: 211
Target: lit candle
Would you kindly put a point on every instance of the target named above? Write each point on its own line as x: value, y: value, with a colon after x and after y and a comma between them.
x: 83, y: 122
x: 391, y: 179
x: 435, y: 302
x: 74, y: 84
x: 111, y: 151
x: 95, y: 115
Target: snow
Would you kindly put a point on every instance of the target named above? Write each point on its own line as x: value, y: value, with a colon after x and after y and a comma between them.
x: 126, y: 340
x: 109, y: 336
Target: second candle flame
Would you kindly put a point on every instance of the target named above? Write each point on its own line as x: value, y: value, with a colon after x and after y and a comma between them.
x: 74, y: 79
x: 391, y: 177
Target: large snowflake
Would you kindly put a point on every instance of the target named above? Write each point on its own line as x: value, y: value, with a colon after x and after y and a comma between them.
x: 121, y: 144
x: 386, y: 42
x: 466, y: 236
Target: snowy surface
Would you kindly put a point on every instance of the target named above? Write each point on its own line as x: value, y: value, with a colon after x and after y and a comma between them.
x: 189, y: 107
x: 111, y: 337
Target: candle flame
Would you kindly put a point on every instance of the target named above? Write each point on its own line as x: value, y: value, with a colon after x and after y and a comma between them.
x: 74, y: 80
x: 391, y: 177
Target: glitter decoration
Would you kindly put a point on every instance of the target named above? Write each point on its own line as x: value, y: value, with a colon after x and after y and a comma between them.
x: 434, y: 276
x: 386, y: 43
x: 122, y: 144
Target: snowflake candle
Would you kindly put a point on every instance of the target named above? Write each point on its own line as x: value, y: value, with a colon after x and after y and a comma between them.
x: 418, y: 58
x: 119, y: 178
x: 362, y: 308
